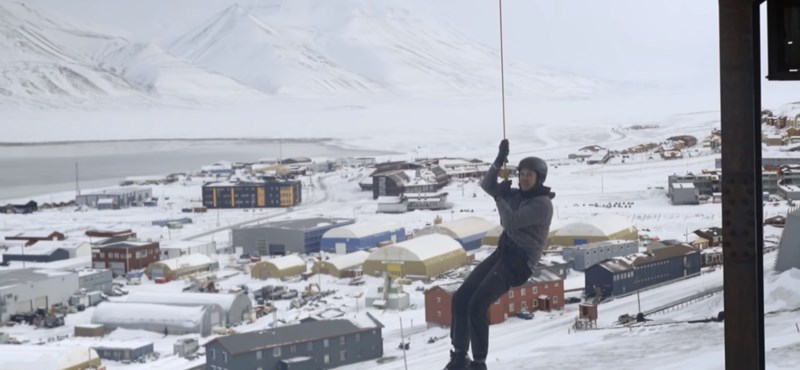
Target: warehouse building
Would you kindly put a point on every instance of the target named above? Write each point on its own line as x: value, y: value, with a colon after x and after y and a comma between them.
x: 422, y: 257
x: 22, y: 291
x: 158, y: 318
x: 125, y: 256
x: 174, y: 249
x: 28, y: 356
x: 341, y: 266
x: 96, y: 280
x: 467, y: 231
x: 48, y: 251
x: 584, y: 256
x: 233, y: 308
x: 596, y: 229
x: 360, y: 236
x: 285, y: 237
x: 270, y: 193
x: 278, y: 267
x: 119, y: 198
x: 175, y: 268
x: 124, y: 351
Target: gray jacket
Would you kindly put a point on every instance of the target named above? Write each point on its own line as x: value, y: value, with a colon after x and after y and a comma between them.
x: 526, y: 220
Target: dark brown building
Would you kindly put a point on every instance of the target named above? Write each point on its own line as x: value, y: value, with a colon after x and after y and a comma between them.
x: 32, y: 239
x: 542, y: 292
x: 125, y: 256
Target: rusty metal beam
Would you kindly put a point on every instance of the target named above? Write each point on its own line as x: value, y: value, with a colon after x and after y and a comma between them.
x: 742, y: 209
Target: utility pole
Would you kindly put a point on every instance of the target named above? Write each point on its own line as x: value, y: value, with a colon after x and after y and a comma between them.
x: 403, y: 343
x: 77, y: 186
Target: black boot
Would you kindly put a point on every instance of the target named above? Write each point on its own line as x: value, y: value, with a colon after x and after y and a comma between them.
x: 458, y: 361
x: 475, y: 365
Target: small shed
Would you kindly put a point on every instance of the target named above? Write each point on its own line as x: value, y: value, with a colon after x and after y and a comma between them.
x: 124, y: 351
x: 90, y: 330
x: 424, y: 256
x: 342, y: 266
x: 278, y: 267
x: 174, y: 268
x: 467, y: 231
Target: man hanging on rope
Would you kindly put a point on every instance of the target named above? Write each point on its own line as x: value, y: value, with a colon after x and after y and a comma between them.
x: 525, y: 215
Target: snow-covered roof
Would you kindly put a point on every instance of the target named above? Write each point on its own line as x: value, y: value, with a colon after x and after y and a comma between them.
x: 106, y: 201
x: 285, y: 262
x: 182, y: 244
x: 603, y: 225
x: 467, y: 226
x: 224, y: 300
x: 26, y: 357
x: 387, y: 199
x: 134, y: 313
x: 346, y: 261
x: 362, y: 229
x: 683, y: 185
x: 190, y: 260
x: 418, y: 249
x: 43, y: 247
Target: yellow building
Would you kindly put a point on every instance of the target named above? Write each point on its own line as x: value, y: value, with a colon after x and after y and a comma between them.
x: 425, y: 256
x: 595, y: 229
x: 280, y: 267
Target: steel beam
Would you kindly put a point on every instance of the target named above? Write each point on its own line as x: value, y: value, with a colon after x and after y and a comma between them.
x: 742, y: 209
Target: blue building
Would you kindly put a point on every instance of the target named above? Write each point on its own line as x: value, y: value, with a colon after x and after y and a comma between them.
x: 351, y: 238
x: 467, y: 231
x: 619, y: 276
x: 280, y: 238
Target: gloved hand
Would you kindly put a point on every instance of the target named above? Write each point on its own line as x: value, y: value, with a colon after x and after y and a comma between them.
x: 502, y: 154
x: 503, y: 189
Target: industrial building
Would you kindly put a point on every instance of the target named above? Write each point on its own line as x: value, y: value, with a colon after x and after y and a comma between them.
x: 234, y: 308
x: 96, y: 280
x: 360, y: 236
x: 684, y: 193
x: 279, y: 267
x: 345, y: 265
x: 413, y: 178
x: 270, y: 193
x: 584, y: 256
x: 595, y: 229
x: 425, y: 257
x: 467, y: 231
x: 322, y: 344
x: 48, y: 251
x: 174, y: 249
x: 622, y: 275
x: 22, y: 291
x: 119, y: 198
x: 126, y: 256
x: 158, y: 318
x: 174, y: 268
x: 285, y: 237
x: 33, y: 239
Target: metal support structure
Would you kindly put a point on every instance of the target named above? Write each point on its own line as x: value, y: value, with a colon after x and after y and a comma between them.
x: 742, y: 209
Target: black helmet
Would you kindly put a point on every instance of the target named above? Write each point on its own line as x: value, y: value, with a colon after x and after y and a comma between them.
x: 534, y: 164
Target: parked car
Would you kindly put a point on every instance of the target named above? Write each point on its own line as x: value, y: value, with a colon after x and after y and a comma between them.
x: 570, y: 300
x: 525, y: 315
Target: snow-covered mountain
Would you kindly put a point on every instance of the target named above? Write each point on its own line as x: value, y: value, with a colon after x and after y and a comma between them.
x: 358, y: 46
x: 48, y: 62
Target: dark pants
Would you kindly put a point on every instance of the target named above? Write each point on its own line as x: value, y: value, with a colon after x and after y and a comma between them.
x: 485, y: 284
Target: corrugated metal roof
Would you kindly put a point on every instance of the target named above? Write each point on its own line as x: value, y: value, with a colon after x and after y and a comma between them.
x: 462, y: 227
x: 346, y: 261
x: 283, y: 335
x: 418, y: 249
x: 362, y: 229
x: 601, y: 225
x: 663, y: 253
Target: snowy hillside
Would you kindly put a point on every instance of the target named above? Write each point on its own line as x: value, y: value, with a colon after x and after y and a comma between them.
x: 358, y: 46
x: 48, y: 62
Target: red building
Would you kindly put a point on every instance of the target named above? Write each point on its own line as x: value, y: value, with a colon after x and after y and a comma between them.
x: 125, y: 256
x: 542, y: 292
x: 32, y: 239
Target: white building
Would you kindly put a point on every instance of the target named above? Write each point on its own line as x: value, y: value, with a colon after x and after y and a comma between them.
x: 24, y: 290
x: 175, y: 320
x: 27, y: 357
x: 235, y: 307
x: 174, y: 249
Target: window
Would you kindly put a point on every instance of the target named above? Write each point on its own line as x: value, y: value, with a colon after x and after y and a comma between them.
x: 555, y: 299
x: 327, y: 359
x: 358, y: 335
x: 325, y: 343
x: 522, y: 292
x: 523, y: 305
x: 310, y: 346
x: 546, y: 286
x: 535, y: 303
x: 535, y: 290
x: 511, y: 293
x: 276, y: 352
x: 438, y: 313
x: 438, y: 299
x: 342, y: 356
x: 341, y: 340
x: 258, y: 355
x: 212, y: 354
x: 556, y: 285
x: 225, y: 357
x: 510, y: 307
x: 293, y: 348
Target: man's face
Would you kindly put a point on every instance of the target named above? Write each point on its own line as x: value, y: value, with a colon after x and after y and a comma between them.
x: 527, y: 179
